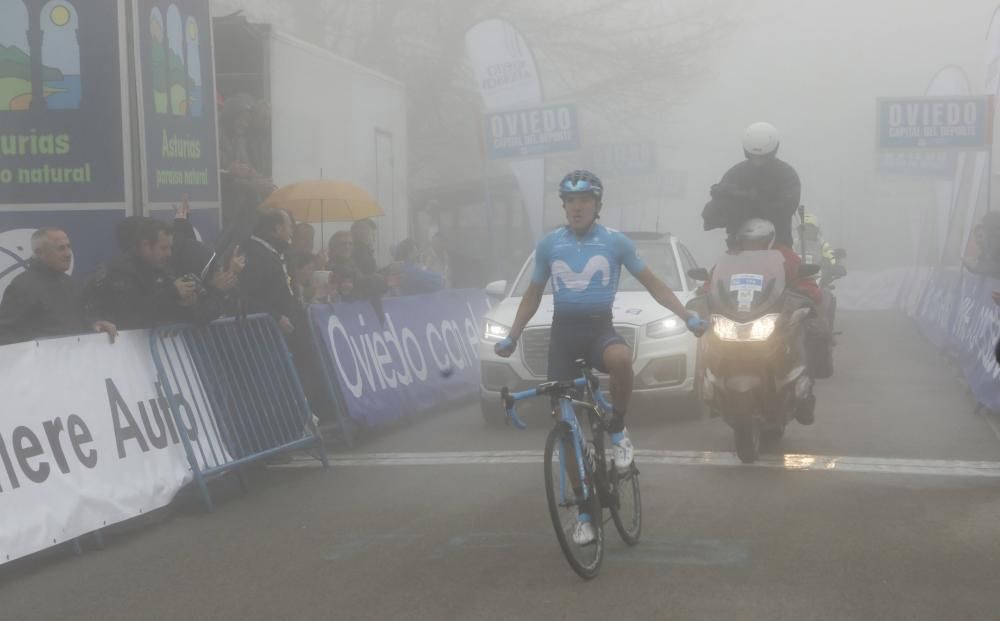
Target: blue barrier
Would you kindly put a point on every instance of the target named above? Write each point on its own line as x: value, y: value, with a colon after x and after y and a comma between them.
x: 421, y: 354
x: 959, y: 317
x: 235, y: 381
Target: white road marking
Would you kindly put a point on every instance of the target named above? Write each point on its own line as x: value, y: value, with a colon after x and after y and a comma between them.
x: 805, y: 463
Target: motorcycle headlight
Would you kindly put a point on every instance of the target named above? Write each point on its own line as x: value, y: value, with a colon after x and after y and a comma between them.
x: 759, y: 330
x: 671, y: 326
x: 495, y: 331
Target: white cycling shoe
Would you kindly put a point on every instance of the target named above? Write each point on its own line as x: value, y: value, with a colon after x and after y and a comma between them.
x: 583, y: 532
x: 622, y: 450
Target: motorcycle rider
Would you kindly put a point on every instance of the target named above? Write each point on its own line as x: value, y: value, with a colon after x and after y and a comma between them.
x: 812, y: 233
x: 584, y: 260
x: 761, y: 186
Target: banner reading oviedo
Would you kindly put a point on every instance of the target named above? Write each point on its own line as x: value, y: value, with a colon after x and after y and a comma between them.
x: 423, y: 355
x: 63, y: 115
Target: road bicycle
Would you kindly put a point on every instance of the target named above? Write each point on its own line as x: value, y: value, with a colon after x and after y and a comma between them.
x: 578, y: 473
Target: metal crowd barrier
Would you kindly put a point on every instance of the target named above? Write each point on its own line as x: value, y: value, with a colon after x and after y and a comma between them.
x: 234, y: 394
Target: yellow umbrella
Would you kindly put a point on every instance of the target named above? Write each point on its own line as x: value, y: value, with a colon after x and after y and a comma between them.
x: 324, y: 201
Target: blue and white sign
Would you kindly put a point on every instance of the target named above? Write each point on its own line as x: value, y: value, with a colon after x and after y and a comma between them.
x: 958, y: 123
x: 422, y: 355
x: 529, y: 132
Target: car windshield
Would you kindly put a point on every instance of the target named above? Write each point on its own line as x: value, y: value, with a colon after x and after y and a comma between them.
x: 658, y: 254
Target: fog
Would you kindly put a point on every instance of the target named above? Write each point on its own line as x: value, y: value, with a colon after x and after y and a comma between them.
x: 687, y: 75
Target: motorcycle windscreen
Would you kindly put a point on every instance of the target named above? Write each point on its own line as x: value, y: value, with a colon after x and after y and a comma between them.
x: 748, y: 284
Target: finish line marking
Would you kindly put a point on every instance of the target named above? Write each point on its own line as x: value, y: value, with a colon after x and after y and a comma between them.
x: 795, y: 463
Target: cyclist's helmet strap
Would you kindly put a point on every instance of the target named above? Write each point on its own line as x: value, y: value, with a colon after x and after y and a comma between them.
x: 581, y: 182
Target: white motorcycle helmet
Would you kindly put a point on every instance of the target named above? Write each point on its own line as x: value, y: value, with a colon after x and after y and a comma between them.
x: 761, y: 139
x: 757, y: 234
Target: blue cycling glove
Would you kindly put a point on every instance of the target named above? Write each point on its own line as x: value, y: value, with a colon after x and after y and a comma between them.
x: 696, y: 325
x: 506, y: 347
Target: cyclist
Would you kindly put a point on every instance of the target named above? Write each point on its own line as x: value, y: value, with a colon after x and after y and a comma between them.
x: 584, y: 261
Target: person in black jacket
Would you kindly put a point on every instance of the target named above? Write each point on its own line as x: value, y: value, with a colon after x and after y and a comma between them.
x: 138, y: 290
x: 761, y: 186
x: 44, y: 301
x: 265, y: 283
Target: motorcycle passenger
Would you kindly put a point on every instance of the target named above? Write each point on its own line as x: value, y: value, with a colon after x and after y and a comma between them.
x: 761, y: 186
x: 757, y: 234
x: 584, y: 260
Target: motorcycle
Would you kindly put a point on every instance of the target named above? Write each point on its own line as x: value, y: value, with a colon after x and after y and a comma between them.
x: 754, y: 354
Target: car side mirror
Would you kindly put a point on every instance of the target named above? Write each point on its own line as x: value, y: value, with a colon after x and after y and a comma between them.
x: 840, y: 254
x: 497, y: 289
x: 808, y: 271
x: 698, y: 273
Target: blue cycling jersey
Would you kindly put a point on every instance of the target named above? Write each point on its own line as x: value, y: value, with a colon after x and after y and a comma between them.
x: 585, y: 270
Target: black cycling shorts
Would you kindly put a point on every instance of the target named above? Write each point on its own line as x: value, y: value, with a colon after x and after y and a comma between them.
x: 576, y: 337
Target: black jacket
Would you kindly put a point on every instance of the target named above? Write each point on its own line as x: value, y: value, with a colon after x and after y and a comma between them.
x: 133, y: 295
x: 771, y: 191
x: 265, y: 284
x: 41, y: 303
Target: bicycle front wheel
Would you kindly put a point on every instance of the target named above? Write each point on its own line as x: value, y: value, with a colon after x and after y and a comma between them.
x: 564, y: 504
x: 626, y: 509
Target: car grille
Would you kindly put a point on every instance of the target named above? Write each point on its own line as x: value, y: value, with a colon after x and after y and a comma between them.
x: 535, y: 347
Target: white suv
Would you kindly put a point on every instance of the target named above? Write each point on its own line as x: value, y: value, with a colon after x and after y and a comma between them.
x: 664, y: 350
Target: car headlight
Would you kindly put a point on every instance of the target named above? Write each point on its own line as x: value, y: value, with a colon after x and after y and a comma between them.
x: 495, y: 331
x: 671, y: 326
x: 759, y: 330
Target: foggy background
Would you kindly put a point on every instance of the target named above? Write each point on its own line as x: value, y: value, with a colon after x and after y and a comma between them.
x: 689, y: 75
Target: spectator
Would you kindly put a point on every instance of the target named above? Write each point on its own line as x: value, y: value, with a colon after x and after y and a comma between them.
x: 363, y: 233
x: 243, y: 187
x: 304, y: 238
x: 138, y: 289
x: 43, y: 301
x: 301, y: 267
x: 266, y: 285
x: 342, y: 281
x: 415, y: 278
x: 340, y: 251
x: 192, y: 258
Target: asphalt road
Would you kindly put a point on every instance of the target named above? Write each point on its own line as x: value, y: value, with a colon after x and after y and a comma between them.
x: 887, y: 508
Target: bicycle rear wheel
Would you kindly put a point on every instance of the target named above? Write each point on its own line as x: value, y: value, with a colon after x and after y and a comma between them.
x: 626, y: 509
x: 564, y: 505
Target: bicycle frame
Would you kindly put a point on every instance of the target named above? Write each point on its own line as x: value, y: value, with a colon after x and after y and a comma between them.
x: 597, y: 407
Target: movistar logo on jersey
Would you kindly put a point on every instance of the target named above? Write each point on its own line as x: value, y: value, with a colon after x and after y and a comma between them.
x: 565, y: 277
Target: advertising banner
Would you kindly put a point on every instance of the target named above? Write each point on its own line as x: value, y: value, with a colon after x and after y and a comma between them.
x: 959, y: 123
x: 976, y: 332
x: 421, y: 356
x: 86, y: 439
x: 63, y: 108
x: 180, y: 154
x: 918, y: 163
x: 936, y: 314
x: 532, y: 131
x: 507, y: 77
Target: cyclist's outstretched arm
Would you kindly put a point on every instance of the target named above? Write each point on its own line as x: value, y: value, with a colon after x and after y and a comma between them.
x: 663, y: 294
x: 529, y: 306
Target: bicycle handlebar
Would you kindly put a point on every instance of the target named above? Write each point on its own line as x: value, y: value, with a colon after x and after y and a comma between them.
x: 510, y: 399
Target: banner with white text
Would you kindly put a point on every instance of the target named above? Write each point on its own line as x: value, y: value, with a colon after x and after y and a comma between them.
x: 422, y: 355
